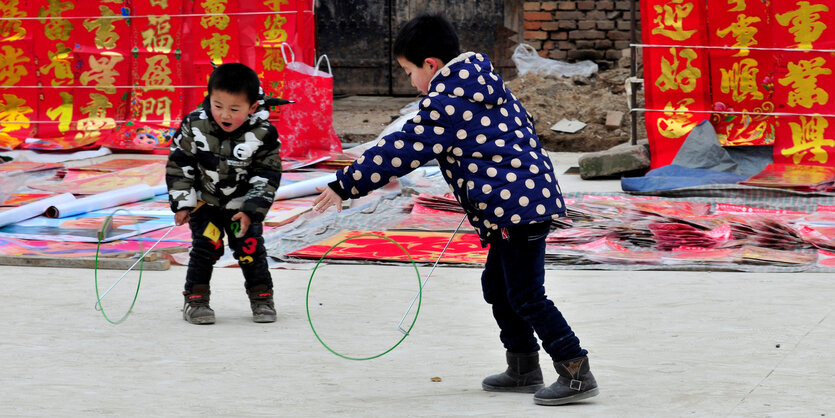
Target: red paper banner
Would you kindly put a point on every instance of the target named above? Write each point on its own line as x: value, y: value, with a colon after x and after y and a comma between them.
x: 215, y: 42
x: 805, y: 140
x: 742, y: 80
x: 676, y: 76
x: 117, y: 72
x: 742, y: 77
x: 18, y: 107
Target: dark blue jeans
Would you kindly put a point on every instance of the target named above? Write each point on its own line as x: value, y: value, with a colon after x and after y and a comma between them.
x: 209, y: 224
x: 513, y: 282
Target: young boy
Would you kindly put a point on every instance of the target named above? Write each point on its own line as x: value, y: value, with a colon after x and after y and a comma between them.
x: 222, y: 174
x: 489, y: 154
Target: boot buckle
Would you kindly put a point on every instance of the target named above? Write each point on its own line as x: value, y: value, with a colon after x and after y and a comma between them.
x: 576, y: 384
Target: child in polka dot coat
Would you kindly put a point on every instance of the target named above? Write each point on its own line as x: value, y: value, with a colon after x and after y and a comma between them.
x: 488, y: 151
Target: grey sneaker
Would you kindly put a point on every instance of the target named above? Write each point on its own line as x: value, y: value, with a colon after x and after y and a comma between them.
x: 261, y: 302
x: 196, y: 309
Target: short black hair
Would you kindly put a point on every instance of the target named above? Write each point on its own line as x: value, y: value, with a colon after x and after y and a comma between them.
x: 235, y: 78
x: 427, y: 36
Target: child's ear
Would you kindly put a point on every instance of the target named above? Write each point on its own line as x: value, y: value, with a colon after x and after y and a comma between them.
x: 433, y: 63
x: 253, y: 107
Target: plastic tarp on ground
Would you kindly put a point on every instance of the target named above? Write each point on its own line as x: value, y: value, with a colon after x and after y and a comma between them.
x: 700, y: 161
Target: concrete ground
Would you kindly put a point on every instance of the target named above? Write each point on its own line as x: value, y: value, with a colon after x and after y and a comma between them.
x: 660, y: 343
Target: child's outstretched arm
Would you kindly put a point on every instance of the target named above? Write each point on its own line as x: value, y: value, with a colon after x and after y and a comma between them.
x: 425, y: 137
x: 327, y: 198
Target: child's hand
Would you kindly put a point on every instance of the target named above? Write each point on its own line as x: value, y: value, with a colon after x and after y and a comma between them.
x: 244, y: 221
x: 182, y: 216
x: 326, y: 199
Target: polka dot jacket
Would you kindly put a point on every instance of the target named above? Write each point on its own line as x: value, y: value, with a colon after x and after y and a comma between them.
x: 485, y: 144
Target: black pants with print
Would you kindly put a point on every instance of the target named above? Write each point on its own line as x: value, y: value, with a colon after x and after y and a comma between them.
x: 209, y: 224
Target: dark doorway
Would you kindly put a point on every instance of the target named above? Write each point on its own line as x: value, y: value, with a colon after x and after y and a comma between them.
x: 357, y: 36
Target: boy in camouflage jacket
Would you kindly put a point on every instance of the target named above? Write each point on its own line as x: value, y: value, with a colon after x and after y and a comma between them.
x: 222, y: 174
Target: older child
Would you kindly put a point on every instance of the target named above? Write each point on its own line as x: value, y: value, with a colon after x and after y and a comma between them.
x: 488, y: 151
x: 226, y: 156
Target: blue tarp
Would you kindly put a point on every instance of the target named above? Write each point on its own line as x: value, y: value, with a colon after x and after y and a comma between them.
x: 700, y: 161
x: 675, y: 177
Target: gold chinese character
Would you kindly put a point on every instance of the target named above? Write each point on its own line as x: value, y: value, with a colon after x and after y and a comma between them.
x: 160, y: 107
x: 273, y: 33
x: 13, y: 111
x: 670, y: 20
x: 62, y: 112
x: 678, y: 122
x: 805, y: 23
x: 275, y: 5
x: 157, y: 38
x: 743, y: 32
x: 739, y: 5
x: 673, y: 79
x: 11, y: 65
x: 807, y: 137
x: 803, y: 78
x: 216, y: 7
x: 158, y: 73
x: 106, y: 35
x: 160, y: 3
x: 56, y: 29
x: 60, y: 61
x: 96, y: 110
x: 102, y: 72
x: 217, y: 47
x: 273, y: 60
x: 11, y: 29
x: 741, y: 80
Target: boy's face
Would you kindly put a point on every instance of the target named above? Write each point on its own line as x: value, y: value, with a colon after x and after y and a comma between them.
x: 230, y: 110
x: 420, y: 76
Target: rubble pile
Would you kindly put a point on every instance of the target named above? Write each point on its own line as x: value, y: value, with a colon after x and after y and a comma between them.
x: 586, y: 99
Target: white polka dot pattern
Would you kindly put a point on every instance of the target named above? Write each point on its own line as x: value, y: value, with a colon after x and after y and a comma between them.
x: 484, y: 142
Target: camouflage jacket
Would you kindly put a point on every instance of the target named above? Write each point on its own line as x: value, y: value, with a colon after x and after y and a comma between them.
x: 238, y: 170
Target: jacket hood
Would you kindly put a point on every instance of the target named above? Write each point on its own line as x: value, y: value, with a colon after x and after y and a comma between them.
x: 470, y: 76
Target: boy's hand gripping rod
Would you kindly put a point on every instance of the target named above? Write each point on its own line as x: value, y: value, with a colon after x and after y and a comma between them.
x: 400, y: 324
x: 103, y: 235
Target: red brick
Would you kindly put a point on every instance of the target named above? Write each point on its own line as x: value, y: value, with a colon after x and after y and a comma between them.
x: 559, y: 36
x: 567, y: 5
x: 585, y: 5
x: 532, y: 6
x: 550, y: 26
x: 536, y: 35
x: 549, y: 45
x: 586, y: 25
x: 549, y: 5
x: 533, y: 25
x: 538, y: 16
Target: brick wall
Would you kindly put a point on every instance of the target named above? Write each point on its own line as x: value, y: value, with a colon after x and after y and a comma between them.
x: 579, y: 30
